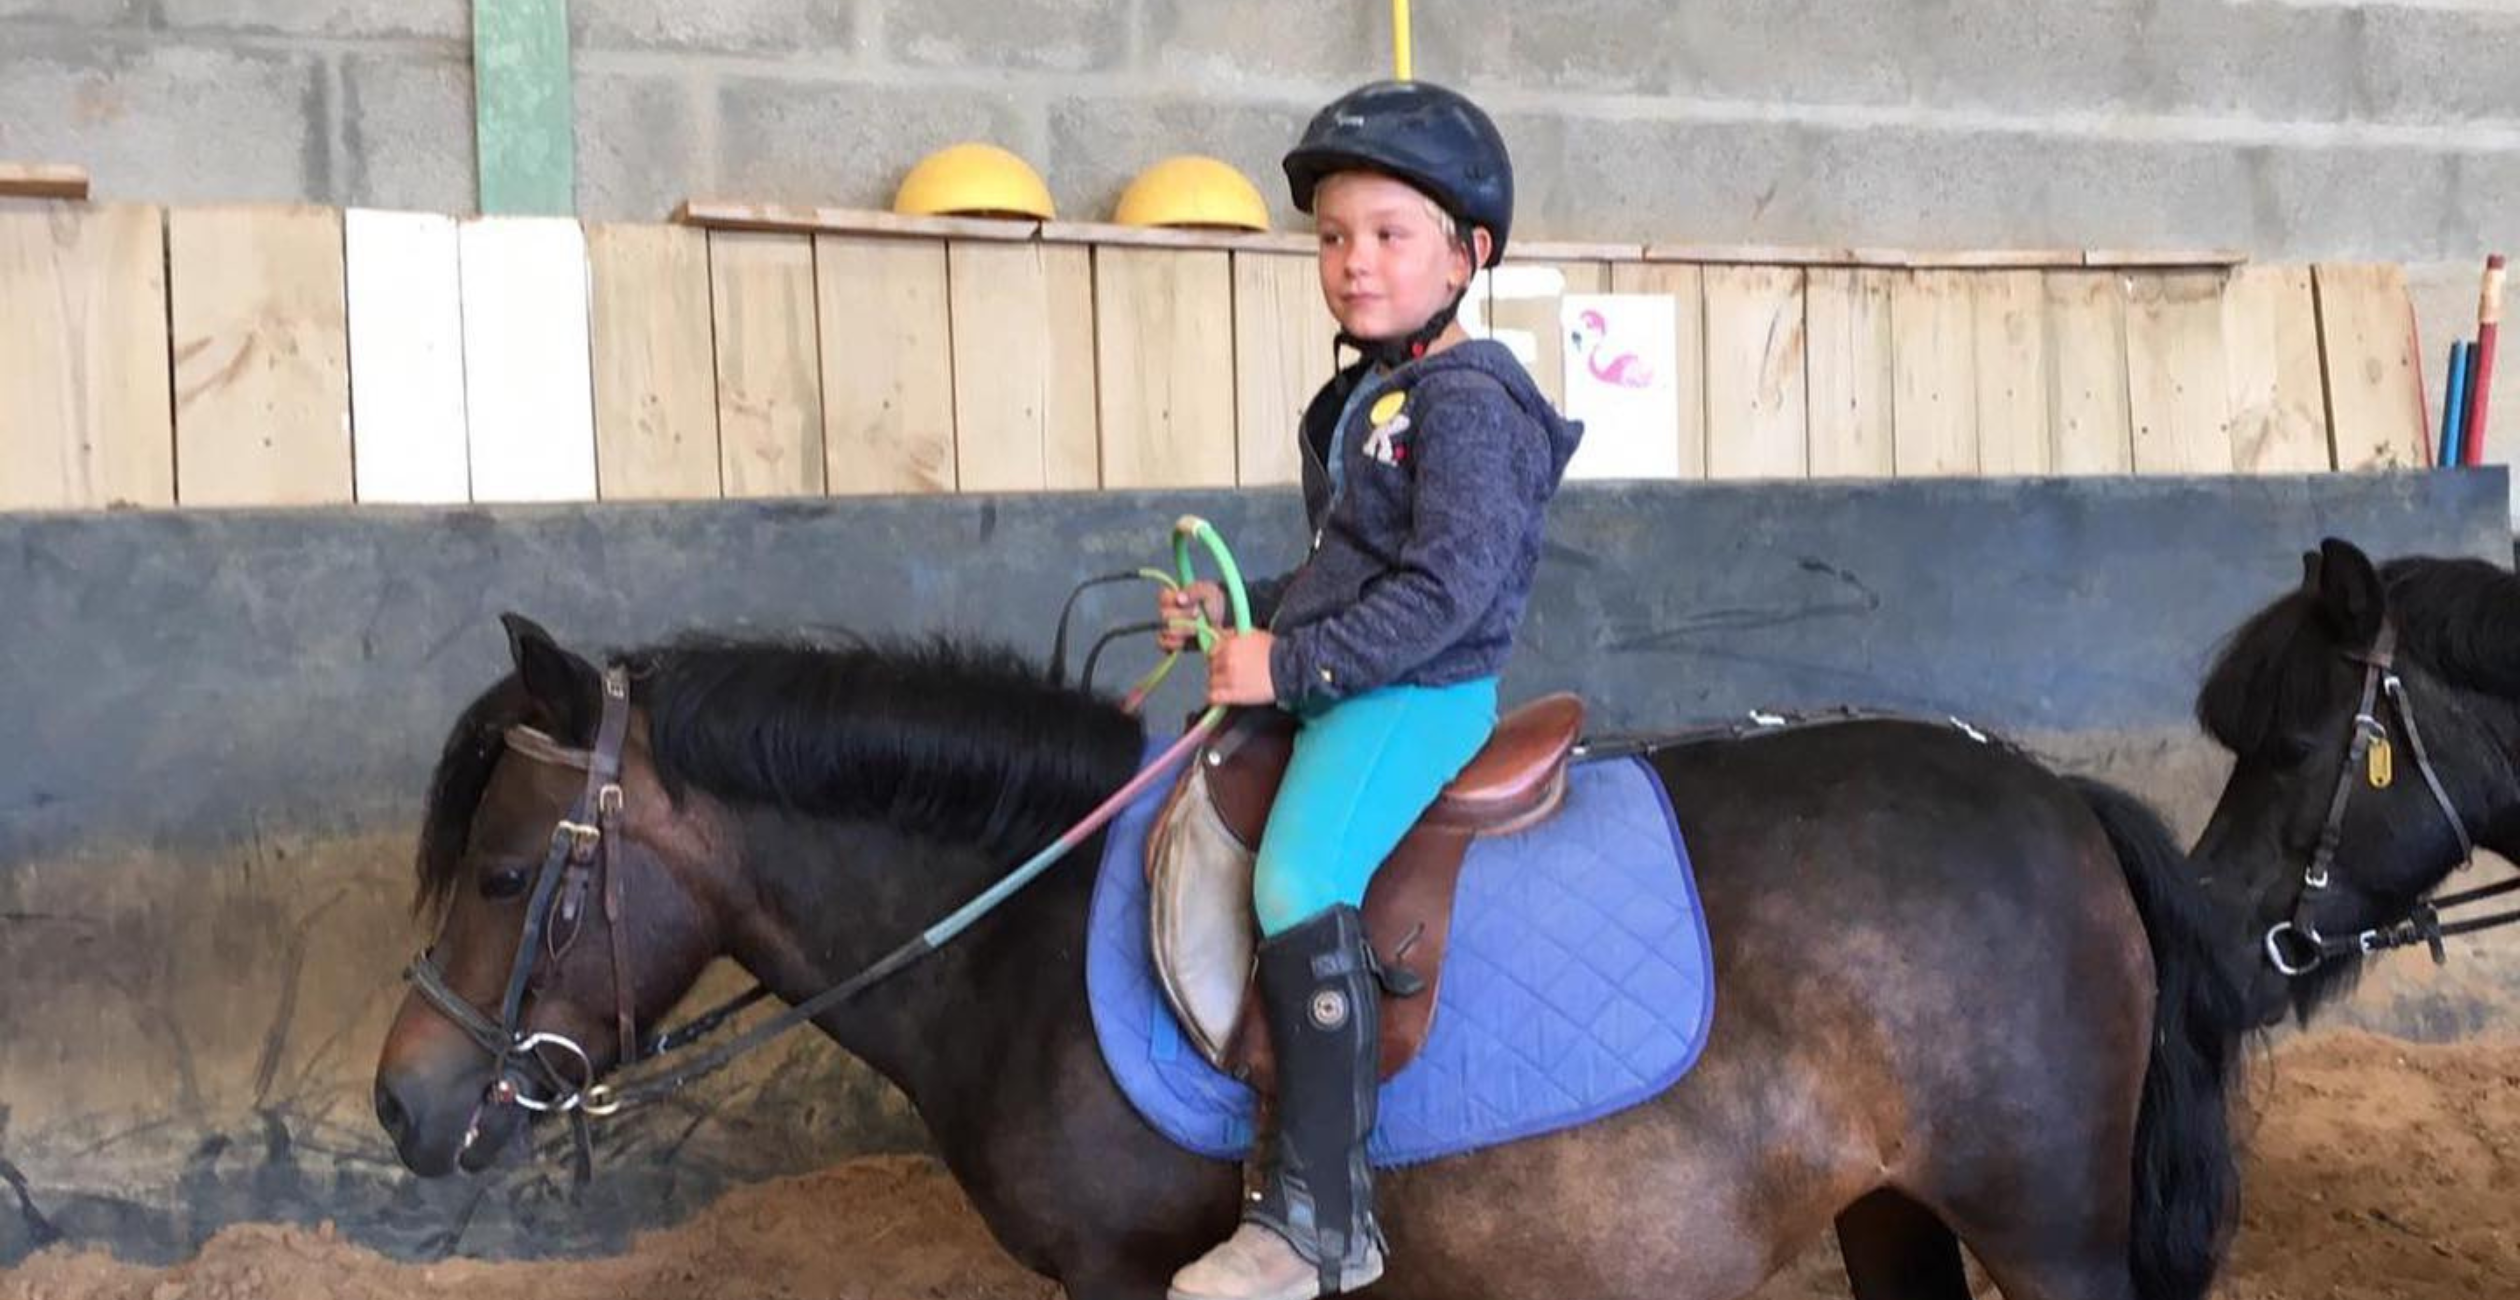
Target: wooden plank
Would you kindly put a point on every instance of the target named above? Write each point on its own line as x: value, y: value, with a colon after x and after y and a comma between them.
x: 529, y: 387
x: 887, y: 365
x: 2164, y: 259
x: 769, y: 365
x: 656, y: 412
x: 406, y: 357
x: 1282, y: 355
x: 2278, y: 392
x: 2177, y: 383
x: 1933, y: 325
x: 1012, y: 401
x: 1686, y: 286
x: 1523, y: 314
x: 84, y: 415
x: 2012, y: 367
x: 798, y: 219
x: 1749, y: 254
x: 1974, y: 259
x: 2087, y: 405
x: 1852, y: 380
x: 2375, y: 383
x: 260, y: 337
x: 1024, y: 417
x: 1956, y: 259
x: 1164, y: 334
x: 1071, y: 446
x: 1756, y: 426
x: 1108, y: 233
x: 1573, y: 250
x: 43, y: 180
x: 525, y: 141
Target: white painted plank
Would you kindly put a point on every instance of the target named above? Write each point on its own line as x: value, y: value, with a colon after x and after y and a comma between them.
x: 528, y: 383
x: 406, y: 357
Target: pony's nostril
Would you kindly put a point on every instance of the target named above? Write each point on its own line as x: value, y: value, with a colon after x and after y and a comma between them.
x: 390, y: 1112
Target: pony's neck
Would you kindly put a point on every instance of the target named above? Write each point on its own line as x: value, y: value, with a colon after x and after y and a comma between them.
x: 2501, y: 830
x: 837, y: 897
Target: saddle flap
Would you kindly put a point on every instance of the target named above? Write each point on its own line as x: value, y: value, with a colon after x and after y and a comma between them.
x: 1204, y: 845
x: 1408, y: 923
x: 1200, y: 930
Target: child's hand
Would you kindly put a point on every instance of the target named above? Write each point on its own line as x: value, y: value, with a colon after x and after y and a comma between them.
x: 1177, y: 605
x: 1238, y: 669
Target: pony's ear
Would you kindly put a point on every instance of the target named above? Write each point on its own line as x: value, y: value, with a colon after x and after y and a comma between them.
x: 2310, y: 572
x: 565, y: 690
x: 2350, y: 593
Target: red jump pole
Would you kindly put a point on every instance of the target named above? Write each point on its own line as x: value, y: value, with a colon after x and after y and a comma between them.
x: 2488, y: 325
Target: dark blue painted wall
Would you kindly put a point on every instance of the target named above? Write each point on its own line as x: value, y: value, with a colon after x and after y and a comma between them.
x: 171, y: 678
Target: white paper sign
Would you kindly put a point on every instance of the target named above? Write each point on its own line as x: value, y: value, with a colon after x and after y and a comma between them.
x: 1474, y: 307
x: 1622, y: 359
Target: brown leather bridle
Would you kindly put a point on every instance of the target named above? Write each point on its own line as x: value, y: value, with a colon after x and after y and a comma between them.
x: 578, y: 861
x: 581, y: 858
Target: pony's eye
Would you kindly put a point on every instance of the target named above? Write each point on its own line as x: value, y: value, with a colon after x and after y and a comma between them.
x: 506, y: 882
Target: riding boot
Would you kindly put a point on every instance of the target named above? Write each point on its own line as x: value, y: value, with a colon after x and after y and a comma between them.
x: 1311, y: 1231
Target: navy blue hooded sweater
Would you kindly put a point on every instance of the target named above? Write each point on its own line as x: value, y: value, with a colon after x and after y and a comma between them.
x: 1426, y: 525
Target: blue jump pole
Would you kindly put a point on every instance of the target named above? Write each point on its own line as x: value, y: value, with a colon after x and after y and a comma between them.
x: 2454, y: 403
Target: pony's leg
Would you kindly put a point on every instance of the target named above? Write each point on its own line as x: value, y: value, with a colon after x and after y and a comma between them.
x: 2086, y: 1261
x: 2089, y: 1276
x: 1896, y: 1249
x: 1121, y: 1284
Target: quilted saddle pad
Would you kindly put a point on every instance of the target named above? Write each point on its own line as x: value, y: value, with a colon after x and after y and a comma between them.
x: 1578, y: 983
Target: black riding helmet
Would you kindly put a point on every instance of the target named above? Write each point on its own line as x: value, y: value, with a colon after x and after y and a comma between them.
x: 1435, y: 140
x: 1419, y: 132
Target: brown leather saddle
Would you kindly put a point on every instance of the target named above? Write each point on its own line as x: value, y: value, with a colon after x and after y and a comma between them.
x: 1199, y: 860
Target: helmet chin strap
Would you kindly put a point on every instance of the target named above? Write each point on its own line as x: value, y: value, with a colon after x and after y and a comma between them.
x: 1393, y: 353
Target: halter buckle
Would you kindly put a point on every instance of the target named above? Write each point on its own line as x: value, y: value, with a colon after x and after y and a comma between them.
x: 583, y: 838
x: 600, y: 1101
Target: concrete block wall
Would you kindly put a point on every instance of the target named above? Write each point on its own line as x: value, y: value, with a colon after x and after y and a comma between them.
x: 2293, y: 129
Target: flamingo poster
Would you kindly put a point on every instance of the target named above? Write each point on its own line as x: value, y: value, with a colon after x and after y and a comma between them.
x: 1622, y: 352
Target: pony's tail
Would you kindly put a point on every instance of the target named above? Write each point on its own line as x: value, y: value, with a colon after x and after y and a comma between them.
x: 2187, y: 1177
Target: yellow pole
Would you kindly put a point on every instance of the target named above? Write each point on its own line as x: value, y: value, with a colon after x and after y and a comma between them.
x: 1400, y: 40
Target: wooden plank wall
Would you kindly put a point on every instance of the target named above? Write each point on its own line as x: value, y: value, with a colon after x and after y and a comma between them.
x: 85, y: 415
x: 654, y: 358
x: 1850, y: 373
x: 1024, y: 381
x: 259, y: 332
x: 293, y: 355
x: 1163, y: 347
x: 407, y: 413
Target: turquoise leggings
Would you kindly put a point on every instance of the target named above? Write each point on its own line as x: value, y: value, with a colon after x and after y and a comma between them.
x: 1363, y: 769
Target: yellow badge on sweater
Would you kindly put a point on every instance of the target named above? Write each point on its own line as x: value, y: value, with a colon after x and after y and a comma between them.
x: 1387, y: 406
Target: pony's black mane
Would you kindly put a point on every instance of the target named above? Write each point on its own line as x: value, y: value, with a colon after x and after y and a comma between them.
x: 2270, y: 688
x: 954, y: 741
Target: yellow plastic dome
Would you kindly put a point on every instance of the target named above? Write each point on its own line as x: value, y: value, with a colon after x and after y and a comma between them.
x: 1191, y: 190
x: 973, y: 180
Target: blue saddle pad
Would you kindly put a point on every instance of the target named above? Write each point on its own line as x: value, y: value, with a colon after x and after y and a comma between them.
x: 1577, y: 983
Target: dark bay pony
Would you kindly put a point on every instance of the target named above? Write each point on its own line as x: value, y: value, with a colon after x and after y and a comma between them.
x: 1963, y: 999
x: 2373, y: 716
